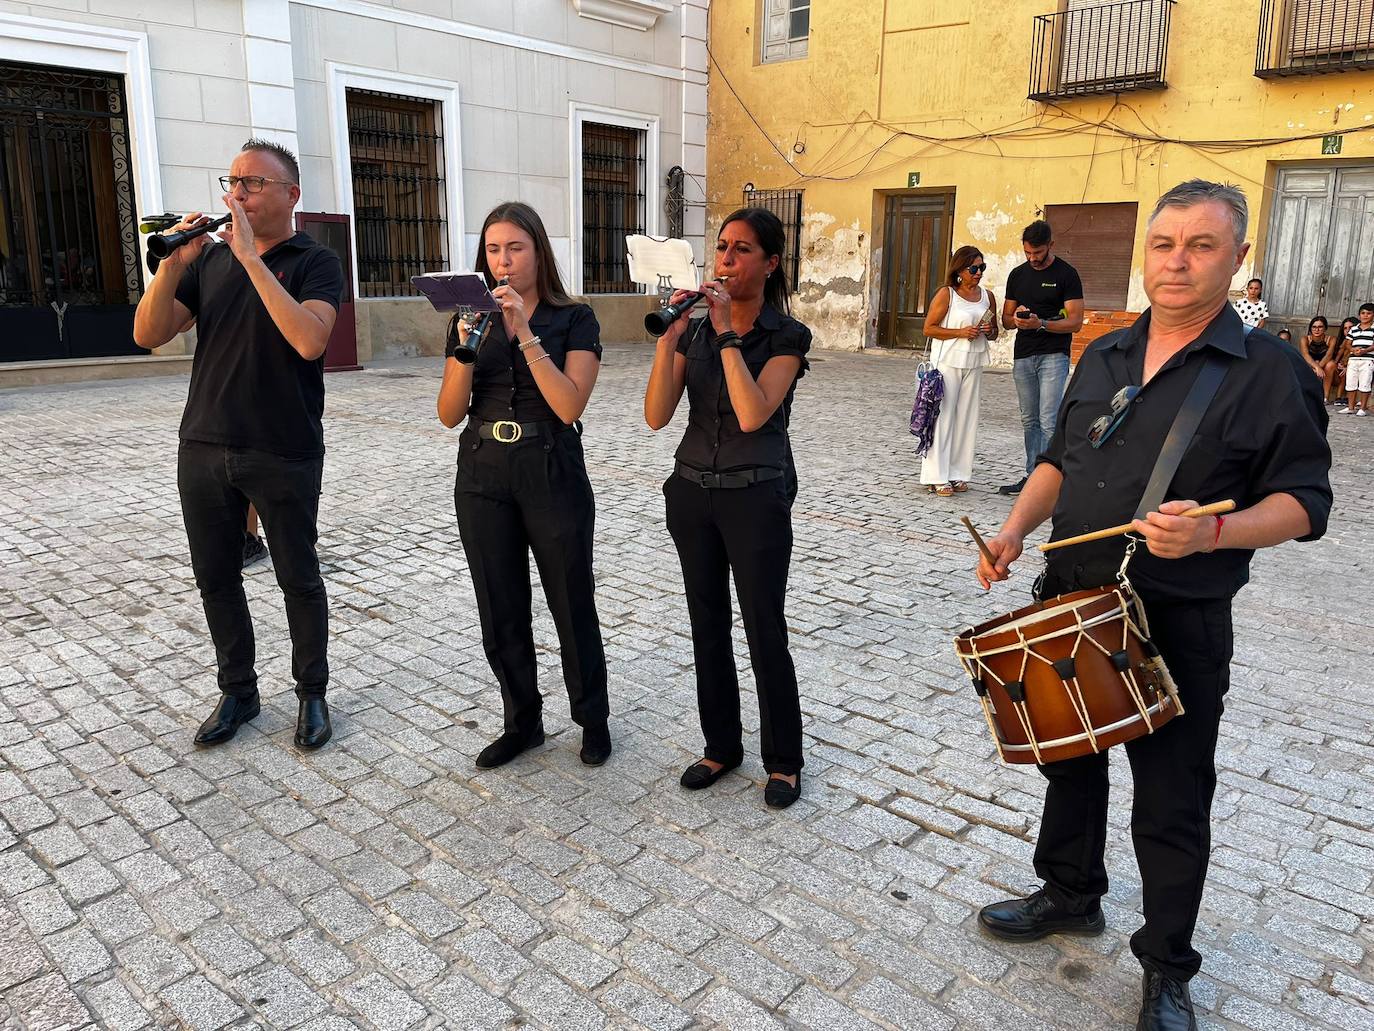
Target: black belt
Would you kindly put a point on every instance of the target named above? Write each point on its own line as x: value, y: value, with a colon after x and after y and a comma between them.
x: 727, y: 481
x: 504, y: 431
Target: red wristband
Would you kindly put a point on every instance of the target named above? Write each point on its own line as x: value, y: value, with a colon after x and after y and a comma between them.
x: 1221, y: 521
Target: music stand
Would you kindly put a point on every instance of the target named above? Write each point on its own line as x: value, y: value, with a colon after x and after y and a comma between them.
x: 666, y: 264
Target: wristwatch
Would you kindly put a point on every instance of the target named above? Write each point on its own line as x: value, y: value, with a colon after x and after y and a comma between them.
x: 531, y: 342
x: 1043, y: 324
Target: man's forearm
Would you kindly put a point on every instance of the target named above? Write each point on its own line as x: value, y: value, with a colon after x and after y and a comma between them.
x: 155, y: 320
x: 1036, y: 502
x: 1278, y: 518
x: 303, y: 331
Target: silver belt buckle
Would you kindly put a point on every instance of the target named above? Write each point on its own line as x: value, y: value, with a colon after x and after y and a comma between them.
x: 505, y: 426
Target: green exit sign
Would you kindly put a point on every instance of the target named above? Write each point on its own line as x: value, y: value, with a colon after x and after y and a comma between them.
x: 1332, y: 144
x: 913, y: 179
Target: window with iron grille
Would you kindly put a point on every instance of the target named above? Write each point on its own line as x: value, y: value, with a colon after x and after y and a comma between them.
x: 786, y: 29
x: 396, y: 149
x: 787, y: 205
x: 612, y: 205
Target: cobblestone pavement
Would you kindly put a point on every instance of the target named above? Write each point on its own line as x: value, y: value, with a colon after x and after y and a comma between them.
x: 382, y: 882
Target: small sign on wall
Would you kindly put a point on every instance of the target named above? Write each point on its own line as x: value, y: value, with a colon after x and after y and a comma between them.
x: 1332, y: 144
x: 913, y: 179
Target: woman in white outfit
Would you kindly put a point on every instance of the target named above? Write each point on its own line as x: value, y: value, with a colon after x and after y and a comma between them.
x: 961, y: 319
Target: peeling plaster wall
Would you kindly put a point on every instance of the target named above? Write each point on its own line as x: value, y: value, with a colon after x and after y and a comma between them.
x: 829, y: 125
x: 832, y: 280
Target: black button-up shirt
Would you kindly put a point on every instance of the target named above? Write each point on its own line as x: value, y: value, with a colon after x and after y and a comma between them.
x: 503, y: 386
x: 1264, y: 433
x: 713, y: 440
x: 249, y: 387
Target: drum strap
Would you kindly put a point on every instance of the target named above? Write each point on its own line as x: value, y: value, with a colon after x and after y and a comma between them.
x: 1183, y: 430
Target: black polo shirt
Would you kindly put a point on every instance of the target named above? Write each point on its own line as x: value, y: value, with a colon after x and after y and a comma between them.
x: 714, y: 441
x: 249, y: 387
x: 1264, y: 433
x: 503, y: 386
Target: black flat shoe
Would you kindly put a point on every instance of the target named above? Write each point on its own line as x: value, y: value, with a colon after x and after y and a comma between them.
x: 1165, y: 1004
x: 230, y: 714
x: 699, y: 775
x: 312, y: 723
x: 778, y: 794
x: 1023, y: 920
x: 508, y: 746
x: 596, y: 745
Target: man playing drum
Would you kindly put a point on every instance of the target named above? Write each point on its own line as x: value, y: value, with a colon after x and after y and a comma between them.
x: 1261, y: 441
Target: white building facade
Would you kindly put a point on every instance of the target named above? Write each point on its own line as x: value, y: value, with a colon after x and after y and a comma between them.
x: 412, y: 117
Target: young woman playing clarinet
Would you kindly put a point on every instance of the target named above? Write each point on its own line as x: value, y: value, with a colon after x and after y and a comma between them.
x: 522, y: 483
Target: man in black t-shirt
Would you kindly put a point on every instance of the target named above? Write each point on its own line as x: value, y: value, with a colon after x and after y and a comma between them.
x: 1044, y: 301
x: 264, y: 302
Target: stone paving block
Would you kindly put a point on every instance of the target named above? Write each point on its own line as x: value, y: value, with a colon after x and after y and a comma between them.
x: 730, y: 1009
x: 492, y: 957
x: 556, y: 1004
x: 575, y: 962
x: 466, y: 1004
x: 672, y: 973
x: 644, y: 1008
x: 47, y: 1004
x: 45, y: 910
x: 199, y: 1005
x: 114, y: 1007
x: 282, y: 998
x: 384, y: 1004
x: 224, y: 949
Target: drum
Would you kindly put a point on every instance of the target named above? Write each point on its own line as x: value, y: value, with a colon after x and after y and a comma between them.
x: 1068, y: 676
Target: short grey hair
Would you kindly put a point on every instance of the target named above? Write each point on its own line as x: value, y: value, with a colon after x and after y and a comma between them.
x: 1200, y: 191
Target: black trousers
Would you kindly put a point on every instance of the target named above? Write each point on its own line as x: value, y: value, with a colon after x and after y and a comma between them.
x: 1174, y: 774
x: 746, y: 531
x: 217, y: 484
x: 513, y: 499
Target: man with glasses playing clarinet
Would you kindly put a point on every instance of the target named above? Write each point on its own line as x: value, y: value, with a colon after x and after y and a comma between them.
x: 1261, y: 440
x: 264, y: 302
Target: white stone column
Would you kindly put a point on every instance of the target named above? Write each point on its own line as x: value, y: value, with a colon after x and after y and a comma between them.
x: 271, y: 75
x: 695, y: 65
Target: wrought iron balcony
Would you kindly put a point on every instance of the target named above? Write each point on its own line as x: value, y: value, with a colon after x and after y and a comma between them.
x: 1309, y: 37
x: 1108, y: 48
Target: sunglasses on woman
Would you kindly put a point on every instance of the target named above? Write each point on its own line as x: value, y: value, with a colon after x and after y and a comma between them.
x: 1105, y: 425
x: 977, y: 270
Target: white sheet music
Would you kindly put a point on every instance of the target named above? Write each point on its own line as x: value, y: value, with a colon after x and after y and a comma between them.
x: 666, y: 263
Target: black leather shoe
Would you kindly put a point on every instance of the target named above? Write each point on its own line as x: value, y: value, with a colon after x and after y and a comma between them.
x: 699, y: 775
x: 596, y: 745
x: 1165, y: 1004
x: 1013, y: 488
x: 312, y: 723
x: 508, y: 746
x: 230, y: 714
x: 1023, y: 920
x: 778, y: 794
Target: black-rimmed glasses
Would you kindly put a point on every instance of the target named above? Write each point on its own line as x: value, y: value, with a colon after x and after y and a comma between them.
x: 977, y: 270
x: 251, y: 183
x: 1105, y: 425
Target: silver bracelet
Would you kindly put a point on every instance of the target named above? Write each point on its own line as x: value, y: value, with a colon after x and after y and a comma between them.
x: 531, y: 342
x: 539, y: 359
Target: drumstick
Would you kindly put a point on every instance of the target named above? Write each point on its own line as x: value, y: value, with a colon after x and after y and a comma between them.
x: 1216, y: 508
x: 977, y: 539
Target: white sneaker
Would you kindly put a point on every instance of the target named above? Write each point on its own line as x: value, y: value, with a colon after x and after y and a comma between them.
x: 1350, y: 411
x: 1361, y: 413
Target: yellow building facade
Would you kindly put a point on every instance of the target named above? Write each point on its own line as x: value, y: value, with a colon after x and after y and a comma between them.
x: 889, y: 132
